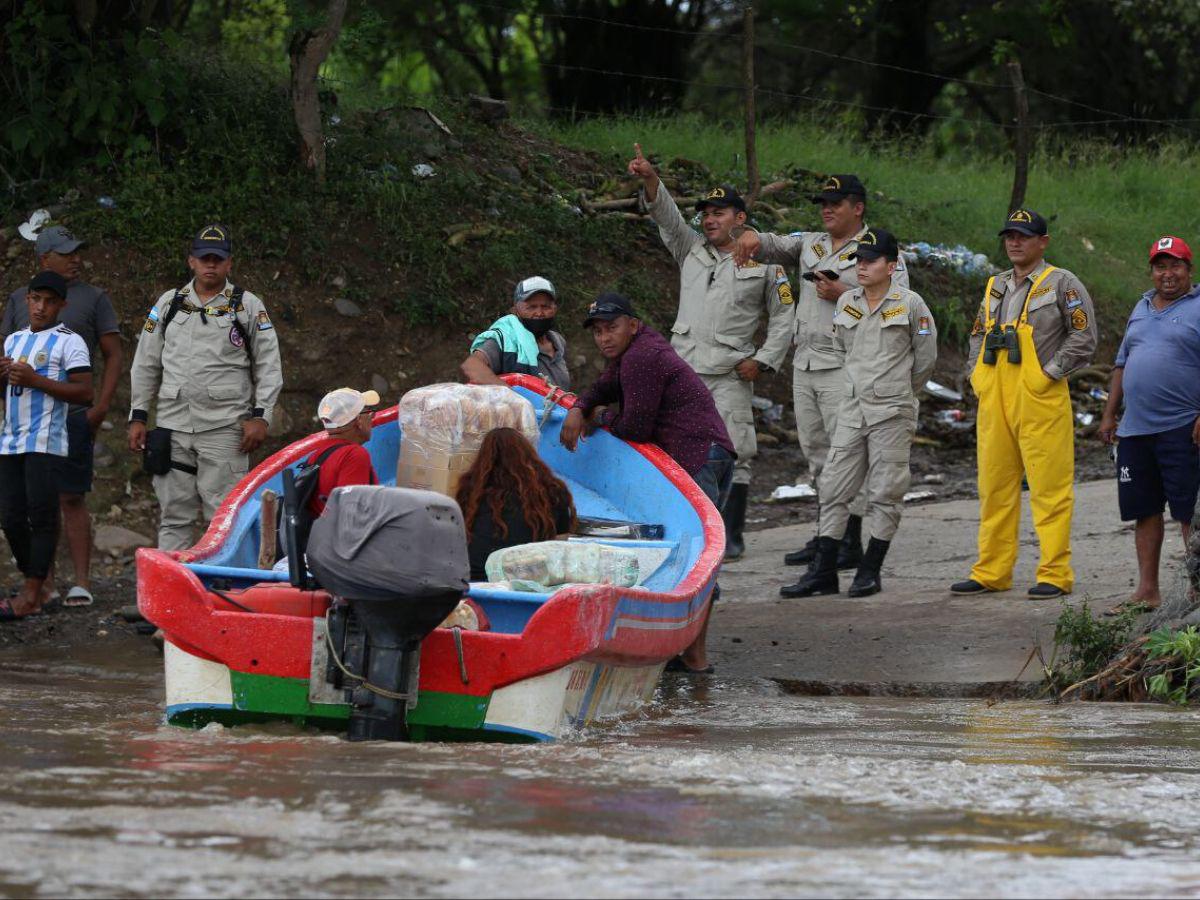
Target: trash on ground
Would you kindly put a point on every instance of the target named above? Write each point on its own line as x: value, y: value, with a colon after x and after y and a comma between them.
x: 959, y: 258
x: 761, y: 403
x: 29, y: 230
x: 787, y: 492
x: 1085, y: 418
x: 947, y: 416
x: 1098, y: 394
x: 423, y: 170
x: 934, y: 478
x: 915, y: 496
x: 941, y: 392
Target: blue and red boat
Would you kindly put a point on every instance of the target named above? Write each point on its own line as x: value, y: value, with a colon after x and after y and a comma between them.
x: 242, y: 644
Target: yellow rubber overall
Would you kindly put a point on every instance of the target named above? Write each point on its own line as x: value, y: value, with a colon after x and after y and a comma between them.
x: 1024, y: 425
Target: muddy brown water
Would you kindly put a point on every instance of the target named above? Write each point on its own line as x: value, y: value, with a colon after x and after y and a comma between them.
x: 723, y: 788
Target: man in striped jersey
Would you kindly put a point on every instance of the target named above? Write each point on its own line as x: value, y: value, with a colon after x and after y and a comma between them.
x: 45, y: 368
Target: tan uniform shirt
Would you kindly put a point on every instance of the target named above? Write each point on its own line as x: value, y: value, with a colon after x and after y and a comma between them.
x: 811, y: 251
x: 721, y: 305
x: 889, y: 354
x: 201, y: 375
x: 1061, y: 315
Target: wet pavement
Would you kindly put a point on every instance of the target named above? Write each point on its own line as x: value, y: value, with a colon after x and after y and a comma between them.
x: 730, y: 787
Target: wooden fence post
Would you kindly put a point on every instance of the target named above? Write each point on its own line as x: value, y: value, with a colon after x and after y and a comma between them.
x: 1021, y: 143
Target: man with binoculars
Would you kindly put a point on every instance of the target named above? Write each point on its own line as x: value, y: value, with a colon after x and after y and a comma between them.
x: 1035, y: 325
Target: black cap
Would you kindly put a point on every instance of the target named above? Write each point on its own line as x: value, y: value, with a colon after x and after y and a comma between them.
x: 49, y: 281
x: 725, y: 195
x: 838, y: 187
x: 875, y: 243
x: 608, y: 306
x: 1026, y: 221
x: 212, y: 240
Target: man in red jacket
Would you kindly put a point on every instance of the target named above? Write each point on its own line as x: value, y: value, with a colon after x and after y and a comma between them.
x: 346, y: 415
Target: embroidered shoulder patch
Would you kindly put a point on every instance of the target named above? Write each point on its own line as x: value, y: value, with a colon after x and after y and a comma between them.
x: 1074, y: 301
x: 923, y: 325
x: 977, y: 328
x: 264, y: 323
x: 1079, y: 320
x: 785, y: 292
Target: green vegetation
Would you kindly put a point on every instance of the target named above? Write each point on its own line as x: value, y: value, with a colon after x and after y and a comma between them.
x: 1177, y: 656
x: 1105, y: 205
x: 1086, y: 643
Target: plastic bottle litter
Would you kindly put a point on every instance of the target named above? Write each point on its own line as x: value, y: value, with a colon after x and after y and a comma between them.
x: 934, y: 478
x: 788, y: 492
x: 941, y: 392
x: 958, y: 258
x: 914, y: 496
x: 29, y: 230
x: 1098, y: 394
x: 423, y: 170
x: 1085, y: 418
x: 107, y: 202
x: 947, y: 416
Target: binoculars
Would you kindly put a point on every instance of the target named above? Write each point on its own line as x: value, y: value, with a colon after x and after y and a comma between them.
x: 996, y: 340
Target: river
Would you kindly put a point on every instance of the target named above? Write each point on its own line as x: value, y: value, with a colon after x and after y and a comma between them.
x: 724, y: 788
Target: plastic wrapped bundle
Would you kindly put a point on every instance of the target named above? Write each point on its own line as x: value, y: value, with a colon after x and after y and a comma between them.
x: 456, y: 417
x: 442, y: 426
x: 552, y: 563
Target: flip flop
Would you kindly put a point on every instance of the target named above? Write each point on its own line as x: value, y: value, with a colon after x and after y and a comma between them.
x: 7, y: 614
x: 678, y: 665
x: 78, y: 596
x: 1137, y: 606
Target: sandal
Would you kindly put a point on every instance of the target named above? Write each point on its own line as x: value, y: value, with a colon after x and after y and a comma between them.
x: 1136, y: 606
x: 678, y: 665
x: 78, y: 596
x: 8, y: 614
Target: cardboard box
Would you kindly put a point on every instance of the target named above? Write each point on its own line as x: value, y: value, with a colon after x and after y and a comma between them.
x: 432, y: 470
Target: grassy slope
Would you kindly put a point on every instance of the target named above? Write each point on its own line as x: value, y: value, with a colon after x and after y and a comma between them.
x: 1117, y: 202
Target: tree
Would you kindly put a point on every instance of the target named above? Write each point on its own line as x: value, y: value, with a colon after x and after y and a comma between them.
x: 309, y: 49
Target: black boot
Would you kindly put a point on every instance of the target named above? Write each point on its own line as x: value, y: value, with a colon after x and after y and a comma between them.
x: 821, y: 578
x: 734, y: 514
x: 850, y: 553
x: 803, y: 556
x: 866, y: 579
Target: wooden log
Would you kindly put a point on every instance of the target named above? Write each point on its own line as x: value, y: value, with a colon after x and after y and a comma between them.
x: 267, y: 533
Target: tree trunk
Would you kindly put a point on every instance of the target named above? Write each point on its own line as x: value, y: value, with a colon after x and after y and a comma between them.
x: 308, y: 51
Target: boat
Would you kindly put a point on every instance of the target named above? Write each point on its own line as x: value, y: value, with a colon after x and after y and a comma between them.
x: 244, y: 645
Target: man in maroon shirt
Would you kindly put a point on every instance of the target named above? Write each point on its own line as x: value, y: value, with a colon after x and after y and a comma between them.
x: 346, y: 415
x: 662, y: 401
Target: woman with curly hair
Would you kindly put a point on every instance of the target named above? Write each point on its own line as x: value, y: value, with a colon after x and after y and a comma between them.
x: 510, y: 497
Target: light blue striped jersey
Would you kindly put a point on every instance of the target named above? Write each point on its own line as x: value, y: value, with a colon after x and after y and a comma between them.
x: 35, y: 422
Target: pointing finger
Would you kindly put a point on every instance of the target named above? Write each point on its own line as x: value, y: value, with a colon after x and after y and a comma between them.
x: 637, y: 149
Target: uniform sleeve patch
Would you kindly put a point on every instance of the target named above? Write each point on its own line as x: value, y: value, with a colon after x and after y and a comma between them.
x: 785, y: 292
x: 1074, y: 301
x: 923, y: 325
x: 263, y: 323
x: 1079, y: 320
x: 977, y: 328
x: 153, y: 317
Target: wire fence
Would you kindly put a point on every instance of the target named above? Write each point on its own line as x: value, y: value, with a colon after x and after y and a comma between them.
x: 1112, y: 117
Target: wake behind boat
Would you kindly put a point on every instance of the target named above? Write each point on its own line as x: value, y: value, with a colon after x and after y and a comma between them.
x: 242, y: 644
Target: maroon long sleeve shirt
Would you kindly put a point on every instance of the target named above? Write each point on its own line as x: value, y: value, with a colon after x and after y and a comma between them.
x: 663, y: 401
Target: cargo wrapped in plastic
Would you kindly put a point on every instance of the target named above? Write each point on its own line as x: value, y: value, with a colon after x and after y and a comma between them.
x: 552, y: 563
x: 442, y: 426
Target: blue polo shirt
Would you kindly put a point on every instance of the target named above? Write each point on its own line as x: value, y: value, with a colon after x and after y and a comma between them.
x: 1161, y: 357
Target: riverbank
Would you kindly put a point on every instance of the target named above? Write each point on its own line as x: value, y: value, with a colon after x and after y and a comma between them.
x: 915, y: 638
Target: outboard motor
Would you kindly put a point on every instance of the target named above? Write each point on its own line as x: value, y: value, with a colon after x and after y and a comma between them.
x: 398, y: 558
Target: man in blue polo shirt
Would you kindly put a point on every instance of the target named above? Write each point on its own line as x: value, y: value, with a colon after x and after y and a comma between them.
x: 1157, y: 375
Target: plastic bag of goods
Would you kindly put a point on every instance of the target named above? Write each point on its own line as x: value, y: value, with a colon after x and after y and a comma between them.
x: 442, y: 426
x: 563, y: 562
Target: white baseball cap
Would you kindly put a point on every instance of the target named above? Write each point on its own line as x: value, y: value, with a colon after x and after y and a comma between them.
x: 339, y: 408
x: 535, y: 285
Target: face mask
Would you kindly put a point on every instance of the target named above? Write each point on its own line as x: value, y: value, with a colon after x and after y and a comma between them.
x: 538, y: 327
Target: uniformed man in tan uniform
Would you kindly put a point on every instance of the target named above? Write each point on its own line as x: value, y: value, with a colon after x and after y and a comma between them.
x: 825, y: 261
x: 720, y: 307
x: 889, y: 341
x: 1035, y: 325
x: 208, y: 359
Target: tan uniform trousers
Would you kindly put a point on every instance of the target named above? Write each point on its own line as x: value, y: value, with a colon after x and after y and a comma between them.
x: 817, y: 394
x: 877, y: 456
x: 220, y: 466
x: 732, y: 397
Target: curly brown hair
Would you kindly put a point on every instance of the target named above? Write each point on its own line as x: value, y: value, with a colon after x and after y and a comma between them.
x: 508, y: 467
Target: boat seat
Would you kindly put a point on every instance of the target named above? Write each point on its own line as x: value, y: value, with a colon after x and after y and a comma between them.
x: 273, y: 599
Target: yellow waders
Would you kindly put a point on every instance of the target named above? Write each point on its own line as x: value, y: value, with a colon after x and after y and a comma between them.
x: 1024, y: 425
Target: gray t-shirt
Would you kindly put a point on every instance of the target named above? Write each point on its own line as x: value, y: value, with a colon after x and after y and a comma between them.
x: 89, y: 313
x: 551, y: 367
